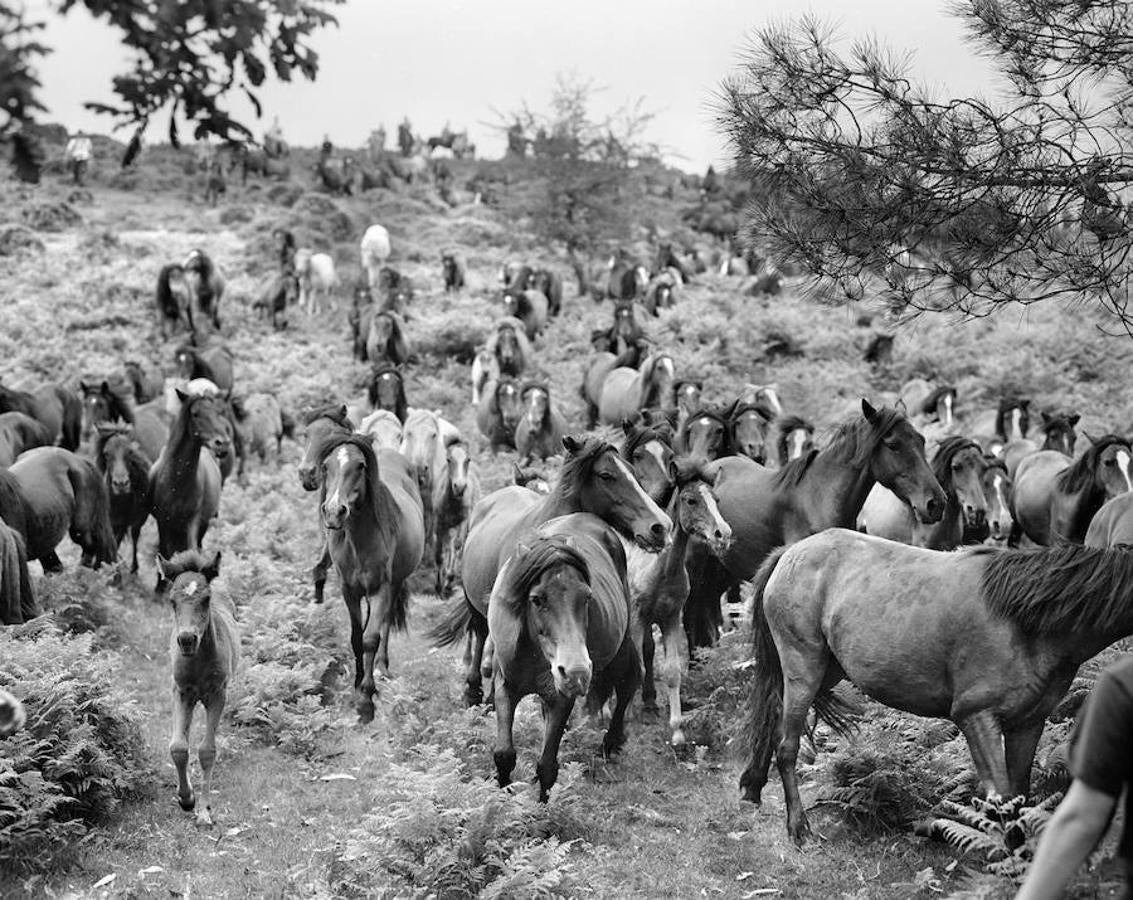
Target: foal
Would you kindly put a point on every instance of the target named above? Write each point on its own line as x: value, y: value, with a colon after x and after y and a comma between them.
x: 204, y: 651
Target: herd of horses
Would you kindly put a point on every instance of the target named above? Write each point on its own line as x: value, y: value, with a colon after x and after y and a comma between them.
x: 885, y: 552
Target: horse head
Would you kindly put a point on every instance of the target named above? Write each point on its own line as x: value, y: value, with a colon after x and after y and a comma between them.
x: 508, y: 403
x: 896, y: 460
x: 208, y: 422
x: 959, y: 465
x: 596, y: 479
x: 1013, y: 418
x: 509, y: 354
x: 1060, y: 432
x: 997, y: 487
x: 705, y: 435
x: 649, y: 451
x: 347, y: 480
x: 537, y: 399
x: 657, y: 377
x: 749, y: 427
x: 323, y: 424
x: 459, y: 465
x: 422, y: 446
x: 188, y: 577
x: 387, y: 390
x: 697, y: 513
x: 796, y: 438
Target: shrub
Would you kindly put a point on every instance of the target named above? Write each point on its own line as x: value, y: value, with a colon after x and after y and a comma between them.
x: 51, y: 216
x: 437, y: 831
x: 81, y: 753
x: 18, y: 238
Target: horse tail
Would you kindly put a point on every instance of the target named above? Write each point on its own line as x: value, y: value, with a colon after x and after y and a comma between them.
x: 765, y: 702
x: 287, y: 423
x: 452, y: 627
x: 72, y: 419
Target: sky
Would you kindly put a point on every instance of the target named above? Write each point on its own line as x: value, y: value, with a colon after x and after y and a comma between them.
x: 440, y: 61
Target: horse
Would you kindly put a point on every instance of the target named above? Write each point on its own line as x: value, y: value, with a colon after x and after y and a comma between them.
x: 452, y: 268
x: 395, y: 290
x: 706, y: 434
x: 624, y: 391
x: 322, y: 424
x: 687, y: 393
x: 509, y: 346
x: 386, y: 390
x: 530, y: 308
x: 532, y: 478
x: 17, y: 598
x: 667, y: 258
x: 209, y: 284
x: 560, y: 620
x: 204, y: 654
x: 423, y: 446
x: 928, y: 402
x: 213, y: 362
x: 764, y: 396
x: 185, y: 480
x: 261, y: 424
x: 1058, y: 434
x: 595, y: 479
x: 173, y: 300
x: 540, y: 431
x: 749, y: 429
x: 659, y: 583
x: 500, y: 410
x: 824, y: 489
x: 990, y: 639
x: 648, y: 448
x: 63, y: 494
x: 13, y: 716
x: 1009, y: 421
x: 550, y: 285
x: 516, y: 276
x: 458, y: 494
x: 56, y: 407
x: 383, y: 429
x: 997, y: 488
x: 385, y: 339
x: 281, y: 292
x: 1055, y: 497
x: 20, y: 432
x: 661, y: 293
x: 106, y: 403
x: 374, y: 528
x: 374, y: 250
x: 958, y: 466
x: 626, y: 279
x: 147, y: 380
x: 124, y: 467
x: 795, y: 438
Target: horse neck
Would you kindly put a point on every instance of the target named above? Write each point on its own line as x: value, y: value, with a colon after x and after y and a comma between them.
x: 373, y: 529
x: 672, y: 558
x: 184, y: 447
x: 557, y: 503
x: 844, y: 485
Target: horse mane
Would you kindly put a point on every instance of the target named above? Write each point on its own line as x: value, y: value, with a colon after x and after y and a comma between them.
x: 1057, y: 421
x: 946, y: 452
x: 687, y: 470
x: 740, y: 407
x: 928, y: 407
x: 526, y: 568
x: 715, y: 413
x: 336, y: 412
x: 577, y: 465
x: 852, y: 444
x: 648, y: 367
x: 187, y: 561
x: 1055, y: 590
x: 1079, y: 475
x: 1006, y: 404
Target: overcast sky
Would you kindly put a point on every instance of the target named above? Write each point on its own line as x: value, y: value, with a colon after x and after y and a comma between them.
x: 446, y: 60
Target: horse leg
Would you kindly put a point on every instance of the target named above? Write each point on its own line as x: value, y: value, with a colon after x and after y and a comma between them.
x: 985, y: 741
x: 503, y: 754
x: 1019, y: 745
x: 206, y: 753
x: 319, y: 572
x: 555, y: 715
x: 183, y: 707
x: 376, y: 628
x: 624, y: 689
x: 799, y: 691
x: 648, y: 649
x: 670, y: 648
x: 363, y: 705
x: 473, y: 683
x: 135, y: 533
x: 439, y: 571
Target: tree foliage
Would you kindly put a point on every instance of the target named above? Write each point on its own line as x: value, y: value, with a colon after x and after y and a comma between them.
x: 189, y: 57
x: 950, y: 204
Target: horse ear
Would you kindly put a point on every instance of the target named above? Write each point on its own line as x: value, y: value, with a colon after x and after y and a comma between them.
x: 868, y: 411
x: 522, y: 549
x: 901, y: 407
x: 1074, y: 419
x: 212, y: 569
x: 104, y: 388
x: 571, y: 444
x: 1045, y: 417
x: 1089, y: 438
x: 183, y: 396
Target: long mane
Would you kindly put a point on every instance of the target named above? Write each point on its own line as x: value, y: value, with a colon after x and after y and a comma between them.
x: 137, y: 464
x: 1006, y: 404
x: 527, y: 568
x: 1079, y: 476
x: 928, y: 407
x: 853, y: 443
x: 576, y: 467
x: 1060, y: 589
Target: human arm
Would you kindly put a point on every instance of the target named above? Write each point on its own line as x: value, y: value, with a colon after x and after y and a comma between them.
x: 1073, y: 831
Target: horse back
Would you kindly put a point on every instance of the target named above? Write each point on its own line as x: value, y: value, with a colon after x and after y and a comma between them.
x: 619, y: 399
x: 601, y: 365
x: 1113, y: 523
x: 492, y: 528
x: 397, y: 478
x: 759, y: 510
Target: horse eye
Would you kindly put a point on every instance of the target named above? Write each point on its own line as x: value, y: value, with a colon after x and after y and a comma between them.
x: 605, y: 476
x: 1110, y: 462
x: 537, y: 600
x: 691, y: 501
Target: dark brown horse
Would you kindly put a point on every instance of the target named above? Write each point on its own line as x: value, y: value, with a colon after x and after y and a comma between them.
x: 374, y: 529
x: 17, y: 598
x: 593, y: 479
x: 125, y: 467
x: 459, y: 493
x: 529, y: 307
x: 57, y: 407
x: 185, y: 481
x: 825, y: 489
x: 501, y: 407
x: 386, y: 390
x: 322, y: 425
x: 172, y: 299
x: 649, y: 451
x: 64, y: 495
x: 207, y: 285
x: 990, y: 639
x: 213, y: 362
x: 560, y: 622
x: 1059, y: 433
x: 706, y: 434
x: 550, y: 285
x: 750, y: 427
x: 794, y: 438
x: 104, y: 403
x: 385, y: 339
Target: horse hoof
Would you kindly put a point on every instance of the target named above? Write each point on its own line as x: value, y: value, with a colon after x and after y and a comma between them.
x: 678, y: 738
x: 187, y: 805
x: 365, y: 710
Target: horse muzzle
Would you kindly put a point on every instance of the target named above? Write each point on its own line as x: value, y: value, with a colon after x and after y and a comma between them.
x: 656, y: 536
x: 720, y: 541
x: 335, y: 519
x: 308, y: 477
x: 574, y: 681
x: 187, y: 643
x: 119, y: 487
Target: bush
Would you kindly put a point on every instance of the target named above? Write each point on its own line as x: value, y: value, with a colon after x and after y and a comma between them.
x: 81, y: 753
x: 437, y: 831
x: 18, y: 238
x: 236, y: 215
x: 51, y: 216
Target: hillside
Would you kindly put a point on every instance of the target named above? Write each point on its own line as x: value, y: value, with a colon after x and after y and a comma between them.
x: 309, y: 804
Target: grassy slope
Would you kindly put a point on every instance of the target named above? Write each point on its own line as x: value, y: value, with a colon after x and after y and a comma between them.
x: 664, y: 824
